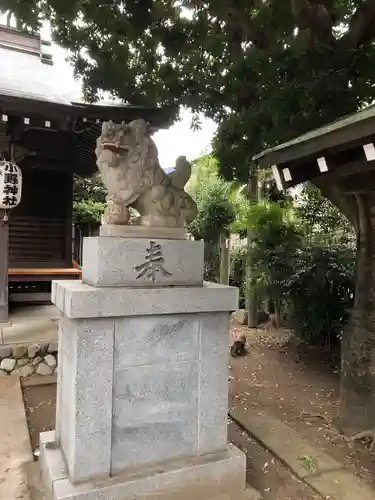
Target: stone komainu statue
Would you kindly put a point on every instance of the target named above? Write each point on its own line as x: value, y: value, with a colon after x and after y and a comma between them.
x: 127, y: 158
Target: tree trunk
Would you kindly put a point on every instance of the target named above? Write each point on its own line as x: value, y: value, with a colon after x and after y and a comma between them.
x: 278, y: 312
x: 358, y: 346
x: 251, y: 296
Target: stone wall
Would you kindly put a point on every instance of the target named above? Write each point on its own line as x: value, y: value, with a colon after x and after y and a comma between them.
x: 25, y: 360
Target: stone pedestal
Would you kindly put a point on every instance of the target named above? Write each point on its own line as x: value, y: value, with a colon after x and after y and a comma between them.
x: 142, y: 385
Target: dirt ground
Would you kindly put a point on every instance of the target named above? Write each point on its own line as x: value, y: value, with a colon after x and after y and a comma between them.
x: 264, y: 472
x: 267, y: 474
x: 300, y: 386
x: 40, y: 407
x: 277, y: 375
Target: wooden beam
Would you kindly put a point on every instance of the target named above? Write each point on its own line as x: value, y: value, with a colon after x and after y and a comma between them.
x: 19, y: 106
x: 349, y: 170
x: 3, y: 268
x: 360, y: 183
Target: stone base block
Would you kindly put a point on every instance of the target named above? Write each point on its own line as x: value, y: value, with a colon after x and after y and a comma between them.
x: 129, y: 231
x: 219, y: 476
x: 141, y: 262
x: 79, y: 300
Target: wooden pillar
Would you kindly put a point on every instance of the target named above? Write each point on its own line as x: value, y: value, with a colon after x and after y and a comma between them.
x: 4, y: 235
x: 224, y: 260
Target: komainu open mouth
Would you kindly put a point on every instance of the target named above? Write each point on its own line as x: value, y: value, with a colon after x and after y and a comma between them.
x: 115, y: 147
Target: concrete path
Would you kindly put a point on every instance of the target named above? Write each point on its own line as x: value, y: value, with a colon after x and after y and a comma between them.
x: 328, y: 477
x: 15, y: 449
x: 30, y: 324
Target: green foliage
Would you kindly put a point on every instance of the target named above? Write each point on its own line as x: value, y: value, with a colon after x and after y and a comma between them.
x: 320, y: 293
x: 322, y: 222
x: 265, y: 70
x: 87, y: 212
x: 88, y: 200
x: 203, y: 169
x: 276, y: 239
x: 215, y: 210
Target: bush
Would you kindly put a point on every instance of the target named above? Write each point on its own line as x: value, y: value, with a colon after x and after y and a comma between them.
x: 215, y: 211
x: 320, y: 294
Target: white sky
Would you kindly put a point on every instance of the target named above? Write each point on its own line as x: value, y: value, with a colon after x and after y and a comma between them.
x: 176, y: 141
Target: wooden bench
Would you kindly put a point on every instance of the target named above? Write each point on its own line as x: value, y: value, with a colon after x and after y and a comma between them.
x: 33, y: 284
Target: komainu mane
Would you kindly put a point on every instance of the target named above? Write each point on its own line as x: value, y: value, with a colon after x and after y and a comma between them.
x: 127, y: 158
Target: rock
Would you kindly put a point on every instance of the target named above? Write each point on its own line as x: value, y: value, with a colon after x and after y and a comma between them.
x: 33, y: 350
x: 24, y: 371
x: 50, y: 361
x: 43, y: 347
x: 19, y: 351
x: 43, y: 369
x: 5, y: 351
x: 240, y: 316
x: 3, y: 373
x: 8, y: 364
x: 36, y: 360
x: 53, y: 346
x: 22, y: 362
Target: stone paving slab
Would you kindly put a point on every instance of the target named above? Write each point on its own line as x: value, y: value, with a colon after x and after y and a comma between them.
x: 342, y: 485
x: 330, y: 479
x: 30, y: 324
x: 15, y: 449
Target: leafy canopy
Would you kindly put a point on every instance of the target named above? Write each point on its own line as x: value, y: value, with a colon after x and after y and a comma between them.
x: 265, y: 70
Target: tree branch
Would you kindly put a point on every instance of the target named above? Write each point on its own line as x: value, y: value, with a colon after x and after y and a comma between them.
x: 361, y: 25
x: 317, y: 16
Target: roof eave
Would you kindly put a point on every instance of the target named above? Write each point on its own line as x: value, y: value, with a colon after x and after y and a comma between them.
x: 321, y: 143
x: 157, y: 117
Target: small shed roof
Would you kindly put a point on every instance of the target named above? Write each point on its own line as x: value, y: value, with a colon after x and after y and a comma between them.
x: 355, y: 127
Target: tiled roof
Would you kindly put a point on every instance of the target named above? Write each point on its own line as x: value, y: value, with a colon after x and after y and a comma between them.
x: 26, y: 76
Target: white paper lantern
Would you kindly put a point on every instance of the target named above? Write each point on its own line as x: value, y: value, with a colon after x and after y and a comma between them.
x: 10, y: 185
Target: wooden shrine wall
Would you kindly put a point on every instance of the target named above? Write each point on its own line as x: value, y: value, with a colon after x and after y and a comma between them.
x: 40, y: 228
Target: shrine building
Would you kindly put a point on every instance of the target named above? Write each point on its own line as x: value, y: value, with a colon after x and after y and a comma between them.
x: 50, y: 137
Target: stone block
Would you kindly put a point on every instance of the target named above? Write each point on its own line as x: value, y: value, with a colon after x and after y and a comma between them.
x: 154, y: 413
x: 33, y: 350
x: 217, y: 476
x: 43, y: 369
x: 19, y: 351
x: 51, y: 461
x: 130, y: 231
x: 85, y: 396
x: 156, y: 339
x: 79, y: 300
x: 213, y: 383
x: 8, y: 364
x: 240, y: 316
x: 24, y: 371
x: 50, y: 361
x: 5, y: 351
x: 109, y: 262
x: 22, y: 362
x: 53, y: 346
